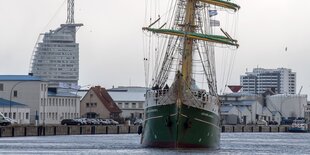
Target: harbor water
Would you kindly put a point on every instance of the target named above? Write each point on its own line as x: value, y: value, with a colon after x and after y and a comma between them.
x: 117, y: 144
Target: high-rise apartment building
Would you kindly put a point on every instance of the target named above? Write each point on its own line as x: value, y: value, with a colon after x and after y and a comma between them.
x: 280, y: 80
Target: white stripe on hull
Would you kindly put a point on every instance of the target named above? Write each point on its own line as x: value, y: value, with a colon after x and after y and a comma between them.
x: 207, y: 122
x: 154, y: 117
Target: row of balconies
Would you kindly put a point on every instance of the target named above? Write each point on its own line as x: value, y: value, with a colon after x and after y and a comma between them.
x: 55, y: 45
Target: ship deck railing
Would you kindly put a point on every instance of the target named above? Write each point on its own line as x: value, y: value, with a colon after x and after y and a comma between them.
x: 200, y: 95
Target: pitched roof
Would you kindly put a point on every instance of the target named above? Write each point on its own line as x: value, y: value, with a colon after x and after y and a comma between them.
x: 19, y: 78
x: 7, y: 103
x: 240, y: 103
x: 226, y: 109
x: 128, y: 94
x: 106, y: 99
x: 243, y: 109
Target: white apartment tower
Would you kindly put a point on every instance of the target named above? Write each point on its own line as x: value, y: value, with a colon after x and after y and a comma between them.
x: 280, y: 80
x: 56, y: 56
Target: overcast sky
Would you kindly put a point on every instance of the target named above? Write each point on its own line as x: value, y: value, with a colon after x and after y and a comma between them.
x: 111, y: 38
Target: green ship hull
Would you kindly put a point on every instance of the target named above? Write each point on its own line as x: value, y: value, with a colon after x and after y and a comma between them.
x: 172, y: 126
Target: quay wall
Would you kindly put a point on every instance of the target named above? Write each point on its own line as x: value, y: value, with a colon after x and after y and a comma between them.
x: 254, y: 128
x: 19, y: 131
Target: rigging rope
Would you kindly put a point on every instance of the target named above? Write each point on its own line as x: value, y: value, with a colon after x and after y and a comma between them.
x: 56, y: 13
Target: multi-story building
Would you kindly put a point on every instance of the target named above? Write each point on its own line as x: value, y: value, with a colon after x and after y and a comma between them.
x: 130, y: 100
x: 56, y: 57
x: 24, y: 89
x: 55, y: 60
x: 249, y: 106
x: 280, y: 80
x: 47, y: 106
x: 60, y: 104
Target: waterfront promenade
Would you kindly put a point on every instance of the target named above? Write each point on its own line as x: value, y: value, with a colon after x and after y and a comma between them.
x: 50, y: 130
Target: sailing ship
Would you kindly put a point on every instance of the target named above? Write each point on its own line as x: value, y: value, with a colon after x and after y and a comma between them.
x: 179, y: 113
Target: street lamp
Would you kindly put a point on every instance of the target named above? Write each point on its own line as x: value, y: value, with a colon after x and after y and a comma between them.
x: 10, y: 114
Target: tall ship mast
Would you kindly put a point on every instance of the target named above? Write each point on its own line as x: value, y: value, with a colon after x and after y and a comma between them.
x: 179, y: 113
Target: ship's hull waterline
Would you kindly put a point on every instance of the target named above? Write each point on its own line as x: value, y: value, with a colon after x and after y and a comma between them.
x: 172, y: 126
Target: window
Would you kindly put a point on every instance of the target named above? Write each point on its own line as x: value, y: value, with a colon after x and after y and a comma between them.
x: 1, y: 86
x: 120, y: 105
x: 133, y: 105
x: 15, y: 93
x: 27, y: 115
x: 87, y: 104
x: 126, y: 105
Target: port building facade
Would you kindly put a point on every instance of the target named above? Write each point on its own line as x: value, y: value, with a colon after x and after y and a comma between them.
x: 24, y: 89
x: 46, y: 106
x: 20, y: 112
x: 280, y: 80
x: 131, y: 100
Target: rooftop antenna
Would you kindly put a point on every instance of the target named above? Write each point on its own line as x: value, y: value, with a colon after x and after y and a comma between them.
x: 70, y: 12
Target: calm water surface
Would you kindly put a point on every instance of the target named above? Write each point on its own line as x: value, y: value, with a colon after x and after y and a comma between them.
x: 231, y: 143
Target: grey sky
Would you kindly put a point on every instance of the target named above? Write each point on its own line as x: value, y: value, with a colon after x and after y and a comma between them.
x: 111, y: 40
